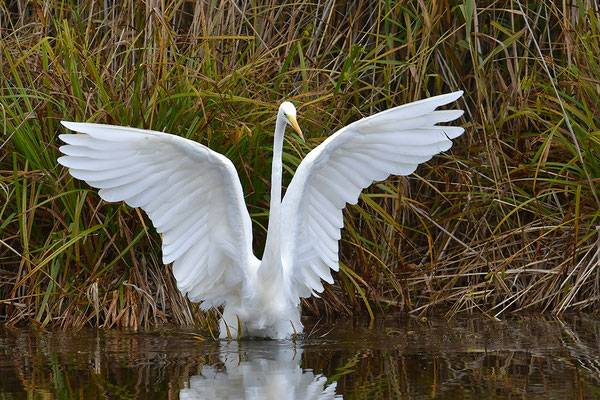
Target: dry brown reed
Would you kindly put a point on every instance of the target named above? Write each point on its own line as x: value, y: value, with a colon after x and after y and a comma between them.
x: 506, y: 221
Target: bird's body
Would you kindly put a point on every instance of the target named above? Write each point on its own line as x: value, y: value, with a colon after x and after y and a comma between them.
x: 195, y: 200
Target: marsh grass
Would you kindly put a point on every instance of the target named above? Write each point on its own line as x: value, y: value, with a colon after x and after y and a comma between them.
x: 504, y: 221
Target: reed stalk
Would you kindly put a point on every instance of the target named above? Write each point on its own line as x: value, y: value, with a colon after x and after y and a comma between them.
x: 505, y: 221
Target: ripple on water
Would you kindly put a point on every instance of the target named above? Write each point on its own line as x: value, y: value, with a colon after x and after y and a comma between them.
x: 524, y: 357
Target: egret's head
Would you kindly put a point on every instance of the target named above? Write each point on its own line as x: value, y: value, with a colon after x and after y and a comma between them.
x: 288, y: 112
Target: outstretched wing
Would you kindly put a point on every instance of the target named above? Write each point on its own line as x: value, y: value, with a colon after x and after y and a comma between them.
x: 394, y: 142
x: 192, y: 195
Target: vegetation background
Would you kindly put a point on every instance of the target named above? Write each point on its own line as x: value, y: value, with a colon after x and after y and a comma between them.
x: 507, y: 220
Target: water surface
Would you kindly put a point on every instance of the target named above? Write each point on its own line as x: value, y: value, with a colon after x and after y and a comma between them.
x: 469, y: 357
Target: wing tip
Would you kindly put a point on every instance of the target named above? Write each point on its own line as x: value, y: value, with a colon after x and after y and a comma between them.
x: 458, y: 113
x: 69, y: 125
x: 61, y: 160
x: 450, y: 97
x: 167, y: 259
x: 64, y: 137
x: 83, y: 127
x: 453, y: 135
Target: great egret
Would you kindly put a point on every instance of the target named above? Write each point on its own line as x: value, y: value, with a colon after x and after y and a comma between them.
x: 258, y: 370
x: 194, y: 198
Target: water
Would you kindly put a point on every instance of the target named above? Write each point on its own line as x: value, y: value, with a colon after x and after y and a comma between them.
x: 468, y: 357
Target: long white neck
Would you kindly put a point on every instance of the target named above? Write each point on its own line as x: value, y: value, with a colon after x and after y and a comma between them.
x: 271, y: 262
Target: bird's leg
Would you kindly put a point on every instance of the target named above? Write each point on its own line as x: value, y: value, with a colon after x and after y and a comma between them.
x: 239, y: 332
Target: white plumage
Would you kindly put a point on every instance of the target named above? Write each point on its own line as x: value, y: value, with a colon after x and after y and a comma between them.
x: 194, y: 198
x: 261, y: 371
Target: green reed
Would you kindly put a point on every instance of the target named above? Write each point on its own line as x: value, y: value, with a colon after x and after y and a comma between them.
x: 506, y: 220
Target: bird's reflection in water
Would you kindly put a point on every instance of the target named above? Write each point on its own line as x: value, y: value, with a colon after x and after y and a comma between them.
x: 259, y: 370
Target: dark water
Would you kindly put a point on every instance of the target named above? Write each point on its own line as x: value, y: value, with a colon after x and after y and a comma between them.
x: 465, y: 358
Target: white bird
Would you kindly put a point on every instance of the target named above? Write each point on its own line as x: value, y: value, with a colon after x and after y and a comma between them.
x: 194, y: 198
x: 258, y: 370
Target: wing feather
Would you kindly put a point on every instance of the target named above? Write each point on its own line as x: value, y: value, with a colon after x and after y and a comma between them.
x: 82, y: 151
x: 192, y: 195
x: 394, y: 141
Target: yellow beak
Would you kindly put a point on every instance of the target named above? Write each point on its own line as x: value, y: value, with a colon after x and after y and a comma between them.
x: 294, y: 124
